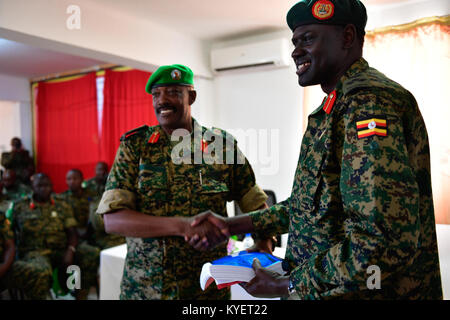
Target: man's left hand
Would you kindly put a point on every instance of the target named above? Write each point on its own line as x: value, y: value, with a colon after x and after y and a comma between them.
x: 266, y: 283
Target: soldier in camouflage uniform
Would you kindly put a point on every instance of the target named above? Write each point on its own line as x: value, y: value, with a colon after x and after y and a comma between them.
x: 18, y: 160
x: 362, y: 191
x: 96, y: 185
x: 46, y: 238
x: 89, y: 255
x: 151, y: 200
x: 13, y: 189
x: 96, y: 229
x: 7, y: 251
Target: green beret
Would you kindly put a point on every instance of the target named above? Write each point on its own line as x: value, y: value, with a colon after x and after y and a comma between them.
x: 176, y: 74
x: 335, y: 12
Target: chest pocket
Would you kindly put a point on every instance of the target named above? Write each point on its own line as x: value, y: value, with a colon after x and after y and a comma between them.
x: 30, y: 231
x: 212, y: 195
x: 153, y: 189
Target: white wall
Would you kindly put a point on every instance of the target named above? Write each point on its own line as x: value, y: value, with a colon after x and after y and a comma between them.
x: 15, y: 112
x: 262, y: 107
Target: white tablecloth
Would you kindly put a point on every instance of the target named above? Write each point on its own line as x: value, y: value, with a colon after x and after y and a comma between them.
x: 112, y: 262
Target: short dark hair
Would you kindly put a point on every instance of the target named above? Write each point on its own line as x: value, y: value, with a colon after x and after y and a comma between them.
x: 76, y: 171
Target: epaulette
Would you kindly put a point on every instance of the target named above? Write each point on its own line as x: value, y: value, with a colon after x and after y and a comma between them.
x: 223, y: 133
x: 130, y: 133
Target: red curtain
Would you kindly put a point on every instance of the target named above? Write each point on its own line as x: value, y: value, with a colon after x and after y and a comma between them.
x: 67, y: 130
x: 126, y: 106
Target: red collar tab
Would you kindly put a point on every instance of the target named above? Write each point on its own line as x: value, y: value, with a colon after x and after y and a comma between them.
x: 329, y: 102
x: 154, y: 137
x: 204, y: 146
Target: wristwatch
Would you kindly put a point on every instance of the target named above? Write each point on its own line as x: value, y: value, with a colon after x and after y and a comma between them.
x: 291, y: 287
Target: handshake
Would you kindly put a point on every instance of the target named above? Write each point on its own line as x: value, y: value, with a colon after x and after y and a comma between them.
x: 206, y: 231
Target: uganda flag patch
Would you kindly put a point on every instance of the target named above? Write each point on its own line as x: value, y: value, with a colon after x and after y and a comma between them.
x: 371, y: 126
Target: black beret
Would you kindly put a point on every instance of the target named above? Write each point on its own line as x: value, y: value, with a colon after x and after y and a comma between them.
x: 333, y: 12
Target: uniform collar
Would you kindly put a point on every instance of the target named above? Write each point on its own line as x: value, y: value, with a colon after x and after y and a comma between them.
x: 160, y: 136
x: 342, y: 86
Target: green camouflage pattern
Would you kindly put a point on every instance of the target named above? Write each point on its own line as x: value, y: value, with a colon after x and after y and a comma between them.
x: 87, y: 257
x: 144, y: 178
x: 41, y: 240
x: 20, y: 162
x: 99, y: 237
x: 79, y: 204
x: 33, y: 274
x: 94, y: 187
x: 87, y: 254
x: 358, y: 202
x: 41, y: 226
x: 18, y: 191
x: 5, y: 233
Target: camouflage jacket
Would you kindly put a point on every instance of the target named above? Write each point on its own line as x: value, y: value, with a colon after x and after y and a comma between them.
x: 5, y: 233
x: 18, y: 191
x: 94, y: 187
x: 20, y: 161
x: 79, y: 204
x: 41, y: 226
x: 99, y: 237
x: 145, y: 178
x: 361, y: 197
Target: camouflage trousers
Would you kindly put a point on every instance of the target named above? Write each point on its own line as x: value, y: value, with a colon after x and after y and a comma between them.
x: 88, y: 259
x: 33, y: 272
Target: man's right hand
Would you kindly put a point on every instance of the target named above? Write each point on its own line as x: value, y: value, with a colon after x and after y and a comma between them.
x: 207, y: 230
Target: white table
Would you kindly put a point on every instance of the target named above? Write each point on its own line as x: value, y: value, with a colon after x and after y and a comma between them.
x: 443, y: 239
x: 112, y: 262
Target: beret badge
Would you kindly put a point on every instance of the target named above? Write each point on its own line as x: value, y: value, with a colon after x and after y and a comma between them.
x: 175, y: 74
x: 323, y: 9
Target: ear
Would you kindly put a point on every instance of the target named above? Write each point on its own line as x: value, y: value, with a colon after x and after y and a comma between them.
x: 192, y: 96
x: 349, y: 36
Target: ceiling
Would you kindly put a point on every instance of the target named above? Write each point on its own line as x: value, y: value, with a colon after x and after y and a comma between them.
x: 196, y: 18
x: 222, y: 20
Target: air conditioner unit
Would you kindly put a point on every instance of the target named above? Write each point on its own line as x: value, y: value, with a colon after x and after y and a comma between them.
x: 265, y: 53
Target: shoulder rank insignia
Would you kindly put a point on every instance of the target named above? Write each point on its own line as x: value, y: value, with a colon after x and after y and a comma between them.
x: 329, y: 102
x: 154, y: 137
x: 374, y: 125
x: 133, y: 132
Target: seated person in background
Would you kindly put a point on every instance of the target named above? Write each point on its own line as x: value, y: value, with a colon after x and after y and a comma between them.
x: 7, y: 251
x: 79, y: 198
x: 96, y: 185
x: 19, y: 160
x: 96, y: 230
x: 4, y: 203
x: 13, y: 189
x: 46, y: 238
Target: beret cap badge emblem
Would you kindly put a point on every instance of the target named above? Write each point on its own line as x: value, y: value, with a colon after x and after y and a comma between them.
x: 176, y: 74
x: 323, y: 9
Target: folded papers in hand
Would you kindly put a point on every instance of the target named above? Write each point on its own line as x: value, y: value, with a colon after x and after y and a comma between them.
x: 236, y: 268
